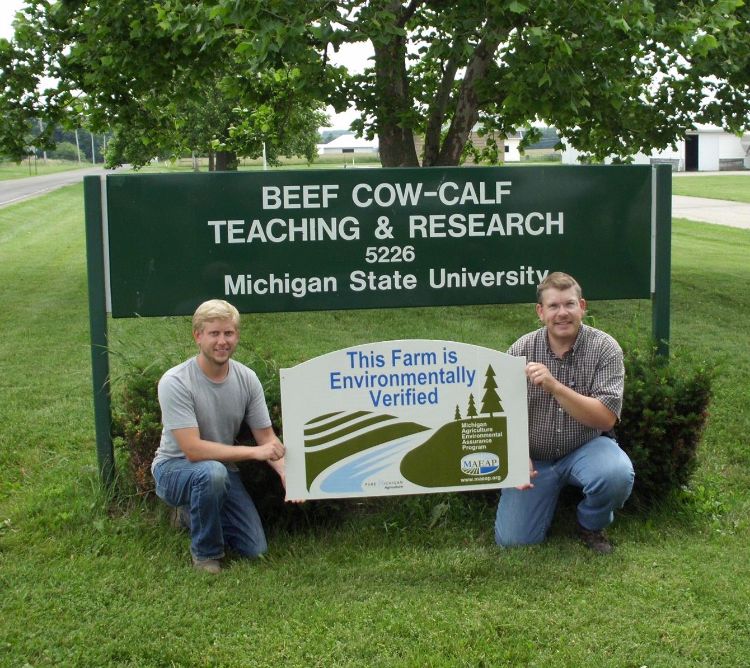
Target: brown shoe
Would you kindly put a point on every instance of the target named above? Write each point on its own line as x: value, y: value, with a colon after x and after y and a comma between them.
x: 212, y: 566
x: 596, y: 541
x: 179, y: 518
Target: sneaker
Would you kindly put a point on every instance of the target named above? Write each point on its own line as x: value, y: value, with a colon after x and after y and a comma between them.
x: 594, y: 540
x: 212, y: 566
x: 179, y: 518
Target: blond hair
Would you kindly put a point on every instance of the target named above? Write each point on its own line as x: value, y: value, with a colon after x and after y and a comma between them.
x: 215, y: 309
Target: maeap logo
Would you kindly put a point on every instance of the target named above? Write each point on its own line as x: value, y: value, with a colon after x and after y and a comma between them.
x: 480, y: 463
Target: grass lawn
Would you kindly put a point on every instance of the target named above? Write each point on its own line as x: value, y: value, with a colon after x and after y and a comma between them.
x: 87, y: 580
x: 730, y: 187
x: 11, y: 170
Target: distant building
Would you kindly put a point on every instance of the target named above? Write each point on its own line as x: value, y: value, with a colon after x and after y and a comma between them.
x: 349, y: 144
x: 705, y: 149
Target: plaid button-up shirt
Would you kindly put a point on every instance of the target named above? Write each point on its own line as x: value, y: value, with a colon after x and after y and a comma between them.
x: 593, y: 367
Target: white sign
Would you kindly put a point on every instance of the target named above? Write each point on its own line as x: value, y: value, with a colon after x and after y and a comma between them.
x: 404, y: 417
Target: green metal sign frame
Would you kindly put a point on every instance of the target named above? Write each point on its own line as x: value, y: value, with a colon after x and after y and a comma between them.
x: 374, y: 238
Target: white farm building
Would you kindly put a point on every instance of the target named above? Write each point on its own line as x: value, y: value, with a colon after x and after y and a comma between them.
x: 706, y: 149
x: 349, y: 144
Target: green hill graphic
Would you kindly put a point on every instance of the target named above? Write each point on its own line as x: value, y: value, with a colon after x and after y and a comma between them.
x: 317, y: 461
x: 438, y: 461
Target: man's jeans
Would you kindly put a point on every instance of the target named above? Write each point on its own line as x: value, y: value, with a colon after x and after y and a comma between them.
x: 600, y: 468
x: 221, y: 511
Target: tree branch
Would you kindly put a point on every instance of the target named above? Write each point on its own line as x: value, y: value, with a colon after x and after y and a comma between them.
x: 467, y: 105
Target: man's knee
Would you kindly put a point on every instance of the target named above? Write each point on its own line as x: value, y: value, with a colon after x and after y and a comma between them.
x: 516, y: 523
x: 211, y: 477
x: 613, y: 481
x: 504, y: 538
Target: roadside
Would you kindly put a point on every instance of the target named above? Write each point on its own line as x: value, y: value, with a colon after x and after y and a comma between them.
x: 16, y: 190
x: 716, y: 211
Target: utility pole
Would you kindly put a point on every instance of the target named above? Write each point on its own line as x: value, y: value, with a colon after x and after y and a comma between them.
x: 41, y: 129
x: 93, y: 149
x: 78, y: 148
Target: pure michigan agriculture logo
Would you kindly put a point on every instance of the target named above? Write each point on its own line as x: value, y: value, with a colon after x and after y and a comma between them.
x: 404, y: 417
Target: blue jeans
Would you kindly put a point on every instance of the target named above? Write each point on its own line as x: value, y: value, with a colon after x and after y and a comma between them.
x: 221, y: 511
x: 600, y: 468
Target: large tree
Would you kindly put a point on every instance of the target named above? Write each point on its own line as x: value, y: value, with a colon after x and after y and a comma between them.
x: 128, y: 67
x: 613, y: 77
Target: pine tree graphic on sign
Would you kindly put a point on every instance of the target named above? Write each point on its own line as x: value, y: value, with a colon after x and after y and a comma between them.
x: 491, y: 401
x: 457, y: 414
x: 471, y: 411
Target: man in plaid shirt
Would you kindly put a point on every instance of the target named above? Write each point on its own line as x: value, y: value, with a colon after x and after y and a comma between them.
x: 575, y: 384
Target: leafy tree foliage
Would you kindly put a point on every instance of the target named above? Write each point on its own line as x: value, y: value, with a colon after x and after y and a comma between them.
x: 612, y: 77
x: 133, y: 67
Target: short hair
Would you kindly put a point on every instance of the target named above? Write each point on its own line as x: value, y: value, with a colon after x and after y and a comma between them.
x: 559, y: 281
x: 215, y: 309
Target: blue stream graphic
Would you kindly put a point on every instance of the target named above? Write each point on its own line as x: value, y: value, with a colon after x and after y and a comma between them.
x: 350, y: 476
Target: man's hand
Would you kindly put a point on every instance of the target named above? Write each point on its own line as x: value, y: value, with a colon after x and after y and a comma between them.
x: 270, y: 451
x: 540, y: 375
x: 532, y: 474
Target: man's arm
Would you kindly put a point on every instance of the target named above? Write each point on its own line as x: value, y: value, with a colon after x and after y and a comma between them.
x: 267, y: 436
x: 197, y: 449
x: 589, y: 411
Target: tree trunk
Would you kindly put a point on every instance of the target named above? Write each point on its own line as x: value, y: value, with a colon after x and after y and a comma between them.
x: 467, y: 107
x: 437, y: 115
x: 395, y: 104
x: 226, y: 161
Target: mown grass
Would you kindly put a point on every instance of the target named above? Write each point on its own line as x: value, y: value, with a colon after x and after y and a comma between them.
x: 20, y: 170
x: 92, y: 580
x: 730, y: 187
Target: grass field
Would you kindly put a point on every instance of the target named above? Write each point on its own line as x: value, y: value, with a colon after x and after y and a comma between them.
x: 87, y: 580
x: 12, y: 170
x: 730, y: 187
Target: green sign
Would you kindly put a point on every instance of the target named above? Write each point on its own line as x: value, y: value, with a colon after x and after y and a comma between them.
x: 374, y: 238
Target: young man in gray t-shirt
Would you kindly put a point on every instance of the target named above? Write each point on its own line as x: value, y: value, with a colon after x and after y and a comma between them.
x: 204, y: 402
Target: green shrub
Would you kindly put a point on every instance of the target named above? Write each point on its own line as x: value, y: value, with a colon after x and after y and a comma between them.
x: 664, y: 412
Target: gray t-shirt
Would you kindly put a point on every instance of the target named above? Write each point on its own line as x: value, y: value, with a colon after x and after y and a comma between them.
x: 188, y: 398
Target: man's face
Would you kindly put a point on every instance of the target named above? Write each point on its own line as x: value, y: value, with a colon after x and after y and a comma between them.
x: 217, y: 341
x: 562, y: 312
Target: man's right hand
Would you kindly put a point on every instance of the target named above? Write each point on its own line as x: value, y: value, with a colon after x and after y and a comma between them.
x: 270, y: 451
x: 532, y: 474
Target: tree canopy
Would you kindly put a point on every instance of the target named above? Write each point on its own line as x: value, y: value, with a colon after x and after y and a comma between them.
x: 614, y: 78
x: 122, y: 66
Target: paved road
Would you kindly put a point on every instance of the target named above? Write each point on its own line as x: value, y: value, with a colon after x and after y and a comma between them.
x: 15, y: 190
x: 721, y: 212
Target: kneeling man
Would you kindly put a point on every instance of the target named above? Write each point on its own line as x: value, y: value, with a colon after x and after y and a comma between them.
x: 575, y: 376
x: 204, y: 402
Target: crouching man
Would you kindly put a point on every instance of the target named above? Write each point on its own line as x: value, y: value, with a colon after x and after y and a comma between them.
x: 204, y: 402
x: 575, y: 377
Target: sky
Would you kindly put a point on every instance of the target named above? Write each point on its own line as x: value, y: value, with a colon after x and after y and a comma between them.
x: 8, y: 8
x: 353, y: 56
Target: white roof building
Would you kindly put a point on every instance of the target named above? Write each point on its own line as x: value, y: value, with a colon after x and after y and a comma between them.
x: 705, y: 149
x: 348, y: 143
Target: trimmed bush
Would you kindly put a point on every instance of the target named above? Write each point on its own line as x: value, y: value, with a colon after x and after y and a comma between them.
x: 664, y: 413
